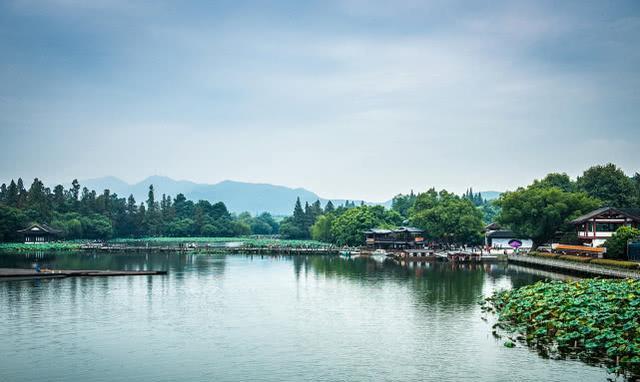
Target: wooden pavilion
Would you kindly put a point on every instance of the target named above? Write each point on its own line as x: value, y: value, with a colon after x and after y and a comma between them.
x: 597, y: 226
x: 39, y: 233
x: 399, y: 238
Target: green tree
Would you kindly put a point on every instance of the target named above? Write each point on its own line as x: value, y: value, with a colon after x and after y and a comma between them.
x: 561, y: 181
x: 38, y: 201
x: 297, y: 226
x: 321, y: 229
x: 329, y: 207
x: 447, y: 218
x: 348, y: 228
x: 609, y: 184
x: 617, y: 244
x: 75, y: 192
x: 403, y: 203
x: 11, y: 220
x: 489, y: 212
x: 153, y: 221
x: 12, y: 195
x: 538, y: 213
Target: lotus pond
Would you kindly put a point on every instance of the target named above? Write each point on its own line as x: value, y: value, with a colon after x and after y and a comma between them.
x: 594, y: 320
x: 251, y: 241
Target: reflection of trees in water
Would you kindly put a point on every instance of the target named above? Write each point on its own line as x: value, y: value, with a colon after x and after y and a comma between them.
x: 26, y: 259
x: 130, y: 261
x: 29, y: 292
x: 448, y: 284
x: 359, y: 269
x: 431, y: 283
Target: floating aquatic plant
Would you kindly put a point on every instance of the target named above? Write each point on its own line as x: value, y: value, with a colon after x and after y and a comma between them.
x: 595, y: 320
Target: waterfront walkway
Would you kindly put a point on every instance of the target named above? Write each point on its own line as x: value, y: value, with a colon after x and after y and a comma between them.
x: 591, y: 270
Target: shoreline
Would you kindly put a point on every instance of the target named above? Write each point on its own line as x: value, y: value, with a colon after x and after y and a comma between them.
x: 589, y: 270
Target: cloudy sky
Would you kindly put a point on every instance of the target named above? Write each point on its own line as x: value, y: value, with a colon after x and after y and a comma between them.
x: 350, y: 99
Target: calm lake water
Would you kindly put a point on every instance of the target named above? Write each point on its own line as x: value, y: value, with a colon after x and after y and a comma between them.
x: 243, y: 318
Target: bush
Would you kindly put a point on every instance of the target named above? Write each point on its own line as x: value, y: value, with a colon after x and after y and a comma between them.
x: 577, y: 259
x: 617, y: 244
x: 616, y: 263
x: 545, y: 254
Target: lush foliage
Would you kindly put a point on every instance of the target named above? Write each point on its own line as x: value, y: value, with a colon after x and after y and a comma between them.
x: 321, y: 229
x: 299, y: 224
x: 539, y: 212
x: 609, y: 184
x: 55, y: 246
x: 251, y: 241
x: 403, y: 203
x: 81, y: 213
x: 617, y: 244
x: 348, y: 227
x: 591, y: 319
x: 447, y: 218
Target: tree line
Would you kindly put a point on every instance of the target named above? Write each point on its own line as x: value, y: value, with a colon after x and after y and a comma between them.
x: 81, y: 213
x: 541, y: 211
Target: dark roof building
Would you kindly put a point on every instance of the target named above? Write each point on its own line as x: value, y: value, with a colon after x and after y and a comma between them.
x: 598, y: 225
x: 39, y: 233
x: 399, y: 238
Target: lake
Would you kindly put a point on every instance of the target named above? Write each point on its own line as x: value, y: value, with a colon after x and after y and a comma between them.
x: 263, y: 318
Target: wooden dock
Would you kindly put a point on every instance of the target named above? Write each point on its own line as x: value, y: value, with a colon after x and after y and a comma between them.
x: 19, y: 273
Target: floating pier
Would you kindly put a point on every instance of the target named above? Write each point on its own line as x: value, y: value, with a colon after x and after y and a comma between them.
x: 19, y: 273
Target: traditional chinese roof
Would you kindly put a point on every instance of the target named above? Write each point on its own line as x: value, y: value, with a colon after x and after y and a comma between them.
x: 381, y: 231
x: 492, y: 227
x: 408, y: 229
x: 631, y: 213
x: 501, y: 234
x: 39, y: 227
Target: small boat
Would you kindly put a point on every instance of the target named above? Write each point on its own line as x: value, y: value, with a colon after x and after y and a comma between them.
x: 349, y: 253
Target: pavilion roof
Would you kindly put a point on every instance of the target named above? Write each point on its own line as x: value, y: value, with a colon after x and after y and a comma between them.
x: 40, y: 227
x: 631, y: 213
x: 383, y: 231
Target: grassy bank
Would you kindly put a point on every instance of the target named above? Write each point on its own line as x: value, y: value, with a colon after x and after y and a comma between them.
x: 597, y: 321
x: 169, y: 242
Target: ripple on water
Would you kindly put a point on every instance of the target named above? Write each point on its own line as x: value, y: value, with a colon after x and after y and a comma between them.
x: 230, y: 318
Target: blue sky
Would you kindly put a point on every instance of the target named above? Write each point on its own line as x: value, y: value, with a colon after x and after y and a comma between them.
x: 350, y: 99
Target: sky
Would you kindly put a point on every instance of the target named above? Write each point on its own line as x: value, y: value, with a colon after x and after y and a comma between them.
x: 350, y: 99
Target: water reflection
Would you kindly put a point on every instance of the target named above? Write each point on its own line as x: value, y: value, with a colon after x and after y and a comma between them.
x: 262, y: 318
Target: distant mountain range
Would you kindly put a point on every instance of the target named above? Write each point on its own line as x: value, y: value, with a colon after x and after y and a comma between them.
x: 237, y: 196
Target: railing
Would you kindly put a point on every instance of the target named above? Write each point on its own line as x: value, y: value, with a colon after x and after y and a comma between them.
x: 590, y: 269
x: 598, y: 234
